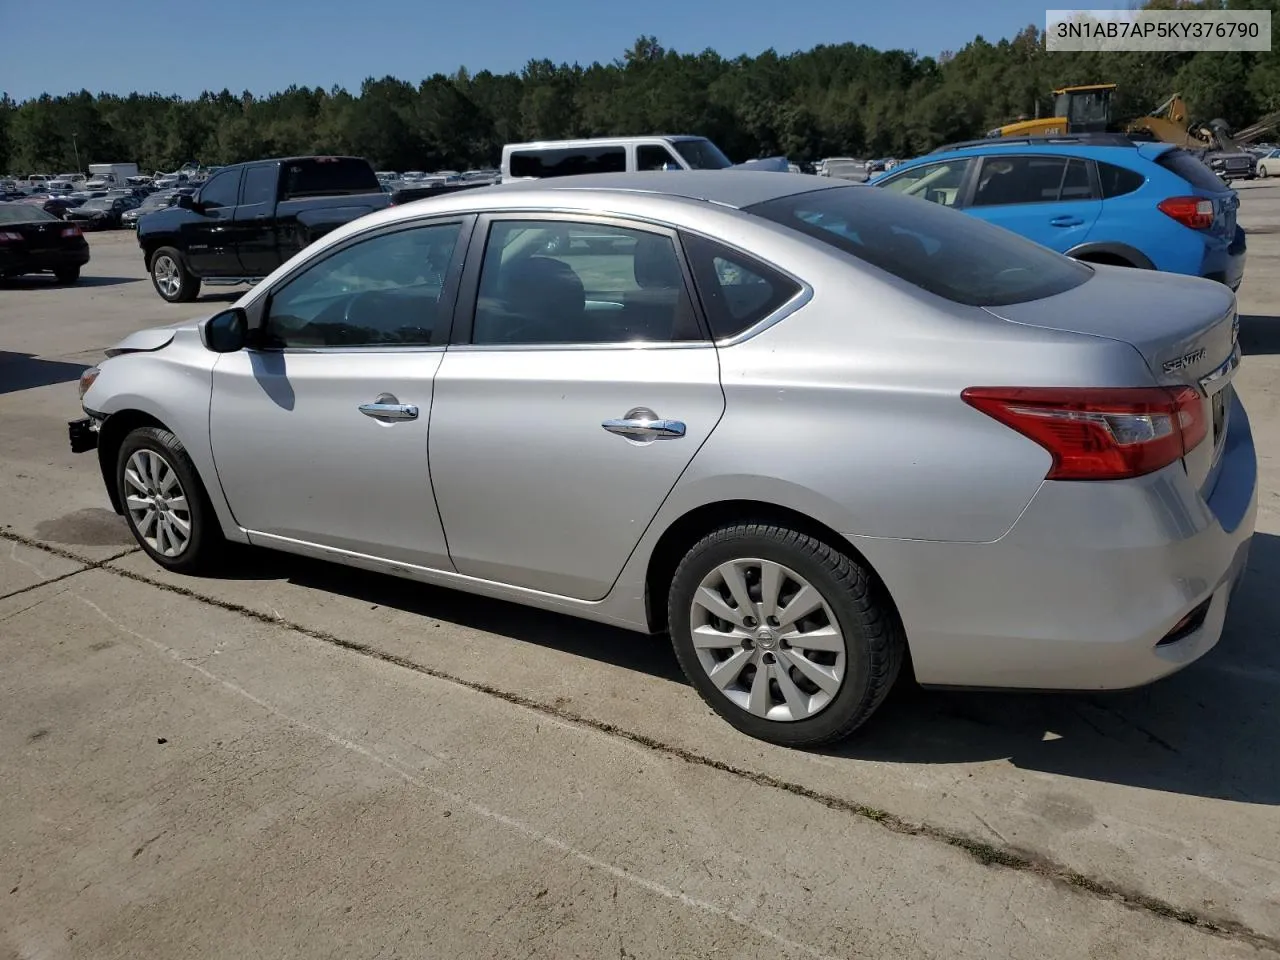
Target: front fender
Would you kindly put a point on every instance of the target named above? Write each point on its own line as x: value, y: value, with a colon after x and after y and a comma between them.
x: 182, y: 379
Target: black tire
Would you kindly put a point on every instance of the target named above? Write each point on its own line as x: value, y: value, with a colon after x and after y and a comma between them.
x: 874, y: 644
x: 184, y: 286
x: 67, y: 274
x: 205, y: 544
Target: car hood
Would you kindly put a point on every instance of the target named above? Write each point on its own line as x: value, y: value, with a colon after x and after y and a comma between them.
x: 153, y: 338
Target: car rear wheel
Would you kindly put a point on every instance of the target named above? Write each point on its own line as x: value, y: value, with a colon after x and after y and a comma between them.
x: 67, y: 274
x: 164, y: 502
x: 785, y: 637
x: 171, y: 278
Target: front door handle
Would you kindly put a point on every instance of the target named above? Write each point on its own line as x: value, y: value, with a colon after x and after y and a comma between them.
x: 643, y: 425
x: 381, y: 410
x: 1066, y: 221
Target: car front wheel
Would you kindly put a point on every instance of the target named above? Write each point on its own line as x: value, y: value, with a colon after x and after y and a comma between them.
x: 784, y: 636
x: 164, y: 502
x: 172, y: 280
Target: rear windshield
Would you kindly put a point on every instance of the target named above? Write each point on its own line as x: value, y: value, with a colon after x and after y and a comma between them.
x: 701, y: 154
x: 568, y: 161
x: 1191, y: 169
x: 945, y: 252
x: 329, y: 176
x: 23, y: 213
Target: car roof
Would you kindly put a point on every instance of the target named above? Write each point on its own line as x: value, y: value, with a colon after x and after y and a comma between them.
x: 729, y: 188
x: 1065, y: 146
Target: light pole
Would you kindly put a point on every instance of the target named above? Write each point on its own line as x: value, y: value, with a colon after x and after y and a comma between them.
x: 74, y: 147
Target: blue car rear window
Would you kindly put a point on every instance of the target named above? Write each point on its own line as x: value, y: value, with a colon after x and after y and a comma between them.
x: 945, y: 252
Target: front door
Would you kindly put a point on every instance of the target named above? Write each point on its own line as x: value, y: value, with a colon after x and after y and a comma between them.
x: 563, y: 418
x: 209, y: 235
x: 320, y: 431
x: 1048, y: 199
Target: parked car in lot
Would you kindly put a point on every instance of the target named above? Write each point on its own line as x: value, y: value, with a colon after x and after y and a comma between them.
x: 157, y: 201
x: 1104, y: 199
x: 1029, y: 471
x: 32, y: 241
x: 247, y: 219
x: 1269, y: 164
x: 100, y: 213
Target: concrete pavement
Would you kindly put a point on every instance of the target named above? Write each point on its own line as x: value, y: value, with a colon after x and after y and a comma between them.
x: 1102, y: 817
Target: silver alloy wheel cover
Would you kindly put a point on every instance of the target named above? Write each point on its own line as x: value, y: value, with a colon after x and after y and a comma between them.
x: 776, y: 651
x: 157, y: 504
x: 166, y: 275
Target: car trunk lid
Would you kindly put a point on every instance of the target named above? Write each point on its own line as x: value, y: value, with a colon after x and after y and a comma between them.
x: 1186, y: 329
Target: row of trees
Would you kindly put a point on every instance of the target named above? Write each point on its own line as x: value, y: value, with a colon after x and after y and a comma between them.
x: 846, y: 99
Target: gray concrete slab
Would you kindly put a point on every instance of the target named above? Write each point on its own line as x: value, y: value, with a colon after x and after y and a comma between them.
x: 23, y: 567
x: 181, y: 782
x: 1169, y: 792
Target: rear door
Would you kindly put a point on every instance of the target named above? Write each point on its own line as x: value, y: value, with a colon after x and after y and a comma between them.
x: 579, y: 387
x: 1050, y: 199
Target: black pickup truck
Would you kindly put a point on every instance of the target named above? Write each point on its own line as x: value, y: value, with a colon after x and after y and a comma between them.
x: 249, y: 218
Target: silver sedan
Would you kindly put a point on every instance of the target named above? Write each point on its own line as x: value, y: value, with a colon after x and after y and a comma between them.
x: 804, y: 426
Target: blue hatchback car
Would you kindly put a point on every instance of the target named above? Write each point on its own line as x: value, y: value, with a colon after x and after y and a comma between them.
x: 1105, y: 200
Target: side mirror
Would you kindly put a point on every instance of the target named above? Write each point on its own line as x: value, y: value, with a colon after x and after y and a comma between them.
x: 186, y: 201
x: 225, y: 332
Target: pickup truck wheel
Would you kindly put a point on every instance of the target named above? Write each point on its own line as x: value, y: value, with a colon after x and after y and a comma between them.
x: 171, y: 278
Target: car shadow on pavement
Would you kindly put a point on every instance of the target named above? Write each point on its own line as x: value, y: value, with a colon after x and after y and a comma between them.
x: 622, y: 648
x: 1209, y: 730
x: 22, y: 371
x: 1259, y: 334
x: 38, y: 281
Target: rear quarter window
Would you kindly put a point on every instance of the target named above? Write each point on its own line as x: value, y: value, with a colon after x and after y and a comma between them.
x: 945, y: 252
x: 1117, y: 181
x: 1191, y: 169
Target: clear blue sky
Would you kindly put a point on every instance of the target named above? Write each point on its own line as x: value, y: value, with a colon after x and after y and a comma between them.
x: 120, y: 46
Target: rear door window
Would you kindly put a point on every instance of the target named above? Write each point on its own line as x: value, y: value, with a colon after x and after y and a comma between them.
x: 1006, y: 180
x: 944, y: 252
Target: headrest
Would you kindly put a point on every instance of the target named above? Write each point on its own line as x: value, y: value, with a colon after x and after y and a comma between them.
x: 655, y: 263
x: 542, y: 286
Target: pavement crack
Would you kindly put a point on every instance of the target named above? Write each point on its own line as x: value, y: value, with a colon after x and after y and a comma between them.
x: 43, y: 583
x: 1003, y: 855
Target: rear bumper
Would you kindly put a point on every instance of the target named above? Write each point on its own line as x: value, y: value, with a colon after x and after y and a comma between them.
x: 1083, y: 589
x: 1226, y: 264
x: 13, y: 263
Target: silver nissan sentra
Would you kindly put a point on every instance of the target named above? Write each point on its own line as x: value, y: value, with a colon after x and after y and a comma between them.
x: 802, y: 425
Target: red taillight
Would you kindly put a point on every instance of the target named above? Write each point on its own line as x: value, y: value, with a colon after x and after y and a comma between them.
x: 1193, y: 212
x: 1102, y: 433
x: 8, y: 236
x: 71, y: 231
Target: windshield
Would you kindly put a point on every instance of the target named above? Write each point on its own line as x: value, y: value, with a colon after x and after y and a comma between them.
x: 156, y: 202
x: 945, y: 252
x: 701, y: 154
x: 23, y: 213
x: 328, y: 176
x: 98, y: 203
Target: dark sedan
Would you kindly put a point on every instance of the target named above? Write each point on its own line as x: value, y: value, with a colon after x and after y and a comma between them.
x: 157, y: 201
x: 32, y: 241
x: 100, y: 213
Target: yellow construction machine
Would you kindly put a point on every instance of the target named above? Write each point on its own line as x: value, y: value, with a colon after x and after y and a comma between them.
x: 1084, y: 109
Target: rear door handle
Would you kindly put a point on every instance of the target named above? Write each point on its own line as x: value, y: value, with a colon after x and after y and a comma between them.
x: 390, y: 411
x: 1066, y: 221
x: 644, y: 425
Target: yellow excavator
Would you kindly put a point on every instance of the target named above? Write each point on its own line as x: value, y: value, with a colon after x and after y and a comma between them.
x: 1084, y: 109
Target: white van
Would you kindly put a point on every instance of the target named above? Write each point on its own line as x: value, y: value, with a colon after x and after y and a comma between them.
x: 565, y: 158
